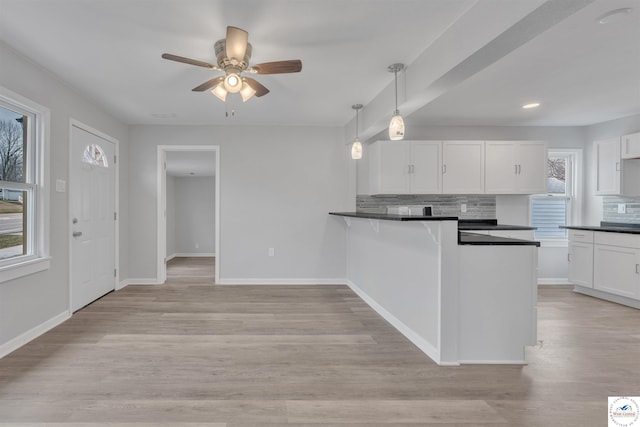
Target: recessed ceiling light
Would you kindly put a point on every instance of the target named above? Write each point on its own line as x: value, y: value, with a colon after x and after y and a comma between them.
x: 531, y: 105
x: 614, y: 15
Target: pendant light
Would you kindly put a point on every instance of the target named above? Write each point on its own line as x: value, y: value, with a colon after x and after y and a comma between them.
x: 356, y: 148
x: 396, y: 126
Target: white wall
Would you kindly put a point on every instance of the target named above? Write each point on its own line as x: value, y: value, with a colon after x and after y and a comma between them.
x: 277, y: 185
x: 171, y: 216
x: 194, y: 215
x: 30, y: 301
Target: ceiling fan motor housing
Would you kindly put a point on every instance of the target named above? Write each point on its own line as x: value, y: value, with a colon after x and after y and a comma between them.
x: 226, y: 63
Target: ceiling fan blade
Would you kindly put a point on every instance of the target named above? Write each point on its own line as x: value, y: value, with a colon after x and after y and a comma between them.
x: 189, y: 61
x: 236, y: 43
x: 208, y: 84
x: 257, y: 86
x: 278, y: 67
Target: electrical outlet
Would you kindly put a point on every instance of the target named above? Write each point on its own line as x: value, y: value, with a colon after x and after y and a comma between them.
x: 463, y: 207
x: 272, y: 252
x: 622, y: 208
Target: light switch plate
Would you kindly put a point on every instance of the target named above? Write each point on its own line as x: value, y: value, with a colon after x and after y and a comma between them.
x: 61, y: 185
x: 622, y: 208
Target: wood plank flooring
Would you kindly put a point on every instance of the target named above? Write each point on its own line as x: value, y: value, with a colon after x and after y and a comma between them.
x: 190, y: 353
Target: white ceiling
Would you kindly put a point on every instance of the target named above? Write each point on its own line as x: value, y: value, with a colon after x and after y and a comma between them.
x: 582, y: 72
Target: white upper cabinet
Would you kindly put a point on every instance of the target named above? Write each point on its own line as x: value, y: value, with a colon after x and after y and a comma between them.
x: 426, y: 177
x: 630, y: 146
x: 405, y: 167
x: 463, y: 167
x: 615, y: 176
x: 515, y: 167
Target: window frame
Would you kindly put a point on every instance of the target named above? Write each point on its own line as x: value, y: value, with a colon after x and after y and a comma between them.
x: 573, y: 192
x: 35, y: 183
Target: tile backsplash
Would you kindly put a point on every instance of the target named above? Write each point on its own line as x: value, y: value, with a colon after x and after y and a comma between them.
x: 610, y: 209
x: 478, y: 206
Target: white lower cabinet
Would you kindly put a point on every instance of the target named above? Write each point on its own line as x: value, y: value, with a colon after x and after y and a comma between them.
x: 608, y: 263
x: 581, y: 264
x: 617, y: 270
x: 581, y: 258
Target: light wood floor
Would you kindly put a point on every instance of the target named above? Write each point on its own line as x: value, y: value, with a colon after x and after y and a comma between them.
x: 190, y: 353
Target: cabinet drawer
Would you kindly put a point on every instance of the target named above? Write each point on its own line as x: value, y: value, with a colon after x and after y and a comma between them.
x: 584, y: 236
x: 617, y: 239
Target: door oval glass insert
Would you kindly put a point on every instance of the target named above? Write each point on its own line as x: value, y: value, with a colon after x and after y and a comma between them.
x: 94, y: 155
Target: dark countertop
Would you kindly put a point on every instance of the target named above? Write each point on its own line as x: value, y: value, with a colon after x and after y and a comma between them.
x: 609, y: 227
x: 391, y: 217
x: 465, y: 238
x: 488, y: 224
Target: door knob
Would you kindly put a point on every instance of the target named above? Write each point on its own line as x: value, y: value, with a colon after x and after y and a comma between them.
x: 77, y: 233
x: 74, y: 220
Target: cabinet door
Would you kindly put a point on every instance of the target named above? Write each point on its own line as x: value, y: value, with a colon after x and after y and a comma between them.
x: 392, y: 174
x: 581, y: 264
x: 630, y: 146
x: 616, y: 270
x: 500, y: 167
x: 607, y: 155
x: 463, y: 167
x: 532, y: 168
x: 426, y: 167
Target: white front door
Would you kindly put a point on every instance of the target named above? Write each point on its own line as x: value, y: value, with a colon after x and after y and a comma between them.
x: 92, y: 211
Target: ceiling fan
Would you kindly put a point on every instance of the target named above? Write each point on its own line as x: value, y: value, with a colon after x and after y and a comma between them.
x: 233, y: 54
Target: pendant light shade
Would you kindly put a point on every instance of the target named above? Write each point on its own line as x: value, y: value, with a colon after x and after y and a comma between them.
x: 220, y: 92
x: 356, y: 147
x: 396, y: 126
x: 247, y: 91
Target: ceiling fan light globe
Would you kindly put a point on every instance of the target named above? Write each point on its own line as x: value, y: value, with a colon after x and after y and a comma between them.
x: 356, y: 150
x: 396, y: 127
x: 220, y: 92
x: 246, y: 92
x: 232, y: 83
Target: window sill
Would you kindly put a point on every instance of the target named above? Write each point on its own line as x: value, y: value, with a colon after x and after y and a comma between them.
x: 25, y: 268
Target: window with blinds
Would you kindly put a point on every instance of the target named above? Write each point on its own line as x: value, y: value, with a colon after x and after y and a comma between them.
x: 552, y: 210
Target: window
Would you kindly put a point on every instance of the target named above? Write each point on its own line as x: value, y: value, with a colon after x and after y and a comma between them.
x: 558, y: 207
x: 94, y: 155
x: 23, y: 231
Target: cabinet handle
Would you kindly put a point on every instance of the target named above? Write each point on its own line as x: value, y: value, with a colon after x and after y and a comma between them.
x: 515, y: 169
x: 519, y: 169
x: 569, y: 257
x: 413, y: 168
x: 444, y: 168
x: 637, y: 266
x: 408, y: 168
x: 617, y: 166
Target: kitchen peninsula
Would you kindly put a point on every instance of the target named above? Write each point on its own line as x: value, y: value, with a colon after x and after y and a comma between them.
x: 460, y: 297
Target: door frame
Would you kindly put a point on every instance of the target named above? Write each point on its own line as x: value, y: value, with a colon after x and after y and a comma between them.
x: 116, y: 194
x: 162, y: 196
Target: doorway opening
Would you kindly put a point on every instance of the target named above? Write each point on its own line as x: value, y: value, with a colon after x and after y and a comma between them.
x: 188, y: 206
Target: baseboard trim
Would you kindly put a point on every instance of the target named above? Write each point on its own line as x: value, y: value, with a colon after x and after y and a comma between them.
x: 553, y: 281
x: 188, y: 255
x: 128, y: 282
x: 33, y: 333
x: 269, y: 282
x: 416, y: 339
x: 493, y: 362
x: 607, y: 296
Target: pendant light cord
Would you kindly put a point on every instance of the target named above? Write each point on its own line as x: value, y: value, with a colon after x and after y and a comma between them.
x: 396, y: 79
